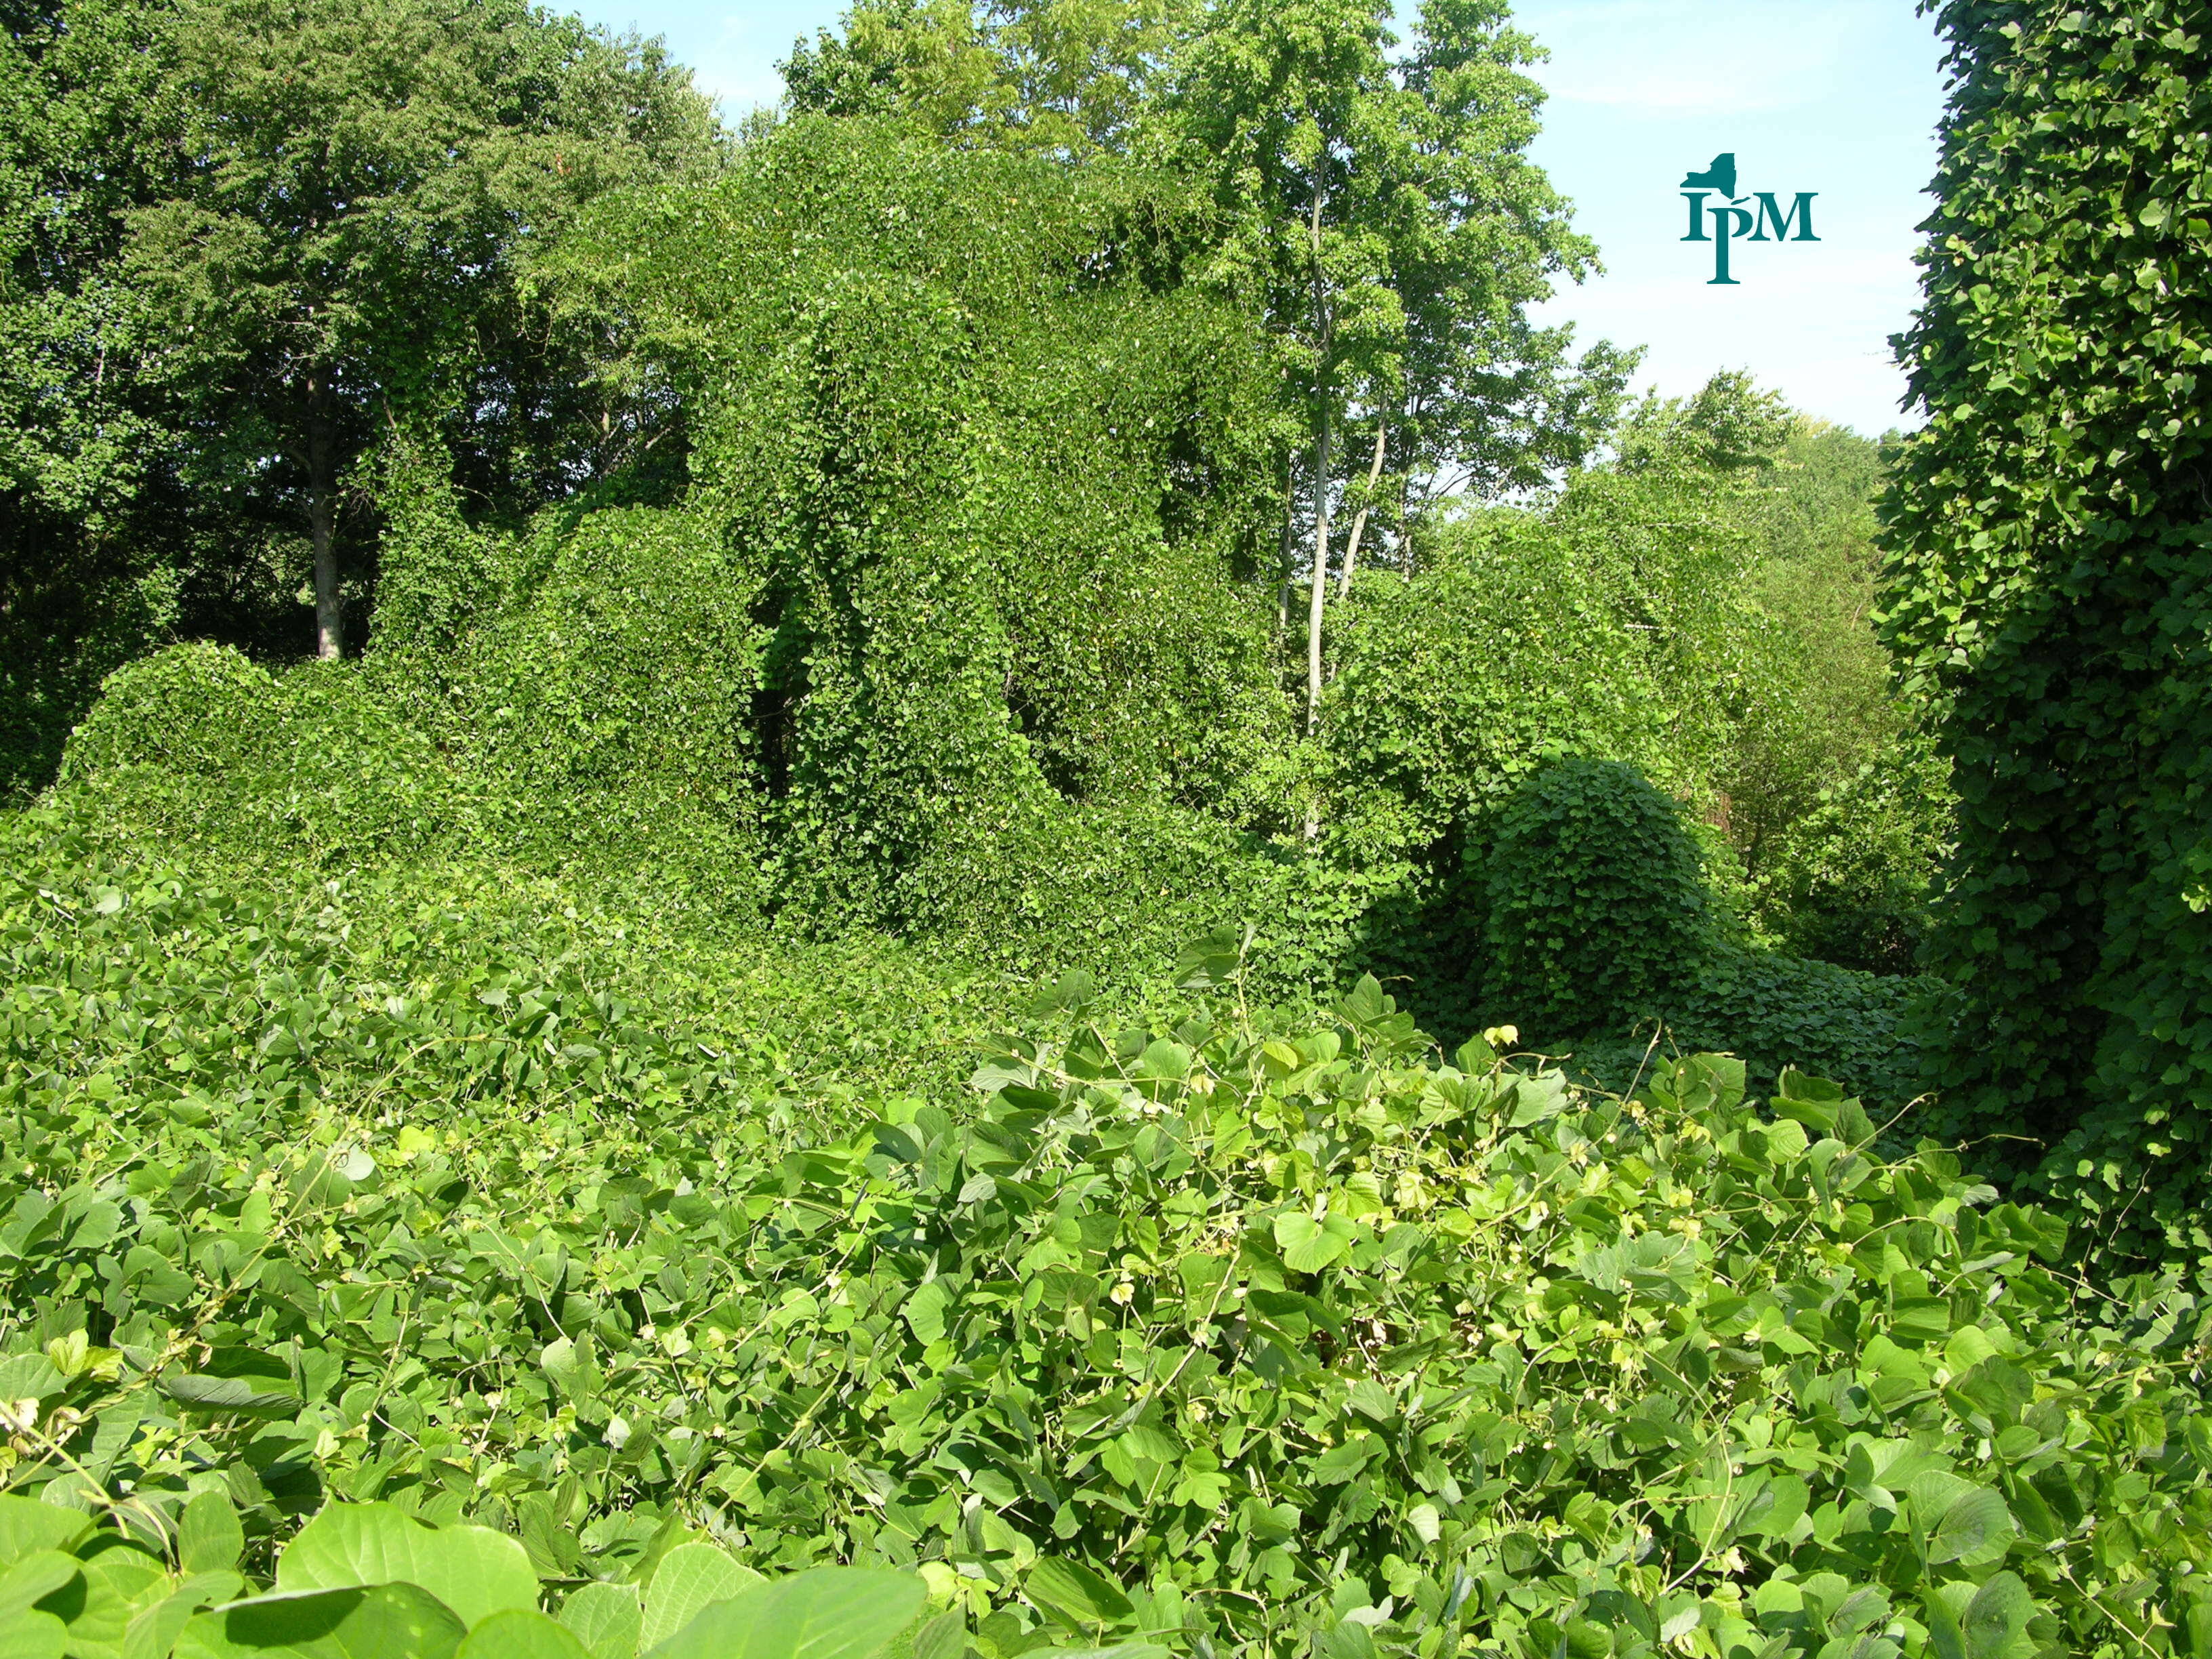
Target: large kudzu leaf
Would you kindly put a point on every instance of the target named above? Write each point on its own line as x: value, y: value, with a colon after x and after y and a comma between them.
x: 830, y: 1612
x: 236, y: 1379
x: 209, y: 1537
x: 27, y: 1525
x: 32, y: 1578
x: 1308, y: 1245
x: 33, y: 1636
x: 690, y: 1577
x: 945, y: 1636
x: 472, y: 1569
x: 154, y: 1628
x: 519, y: 1634
x: 1975, y: 1526
x: 606, y: 1619
x: 116, y: 1586
x: 1996, y: 1619
x: 377, y: 1622
x: 1077, y: 1595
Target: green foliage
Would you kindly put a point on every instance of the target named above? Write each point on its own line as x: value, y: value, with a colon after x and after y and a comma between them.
x: 2047, y: 591
x: 1598, y: 908
x: 198, y: 742
x: 1774, y: 1010
x: 1064, y: 76
x: 241, y: 247
x: 371, y: 1581
x: 1847, y: 881
x: 606, y: 717
x: 984, y: 484
x: 1188, y: 1333
x: 1453, y: 685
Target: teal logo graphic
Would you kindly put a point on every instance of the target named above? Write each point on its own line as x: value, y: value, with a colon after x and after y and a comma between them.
x: 1733, y: 219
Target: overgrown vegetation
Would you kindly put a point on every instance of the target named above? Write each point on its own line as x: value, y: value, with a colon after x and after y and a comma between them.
x: 603, y: 662
x: 2047, y: 571
x: 1254, y: 1339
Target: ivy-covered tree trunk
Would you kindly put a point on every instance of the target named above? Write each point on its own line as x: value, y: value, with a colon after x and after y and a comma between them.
x: 2050, y: 589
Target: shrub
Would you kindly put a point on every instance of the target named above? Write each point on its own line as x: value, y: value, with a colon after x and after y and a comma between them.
x: 198, y: 742
x: 1774, y: 1011
x: 1598, y: 909
x: 607, y: 718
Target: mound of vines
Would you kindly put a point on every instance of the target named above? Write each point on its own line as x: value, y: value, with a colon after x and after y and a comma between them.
x: 1220, y: 1338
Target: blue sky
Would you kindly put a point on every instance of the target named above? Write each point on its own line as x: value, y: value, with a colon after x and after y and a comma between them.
x: 1835, y: 96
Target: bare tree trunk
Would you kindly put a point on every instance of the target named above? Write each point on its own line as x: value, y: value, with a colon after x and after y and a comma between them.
x: 1320, y: 592
x: 329, y: 623
x: 1320, y: 595
x: 1359, y: 523
x: 1283, y: 590
x: 1406, y: 526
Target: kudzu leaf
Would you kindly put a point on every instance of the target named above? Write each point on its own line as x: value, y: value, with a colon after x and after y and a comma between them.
x: 118, y: 1584
x: 27, y: 1525
x: 925, y: 1311
x: 519, y: 1633
x: 209, y: 1536
x: 606, y: 1619
x: 945, y: 1636
x: 380, y: 1622
x: 691, y: 1576
x: 471, y: 1569
x: 33, y: 1636
x: 32, y: 1578
x: 1976, y: 1523
x: 153, y: 1629
x: 1075, y: 1594
x: 1997, y: 1617
x: 228, y: 1394
x: 1308, y: 1245
x: 237, y: 1380
x: 827, y: 1613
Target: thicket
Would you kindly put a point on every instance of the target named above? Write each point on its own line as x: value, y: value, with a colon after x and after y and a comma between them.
x: 1219, y: 1337
x: 242, y: 245
x: 2049, y: 553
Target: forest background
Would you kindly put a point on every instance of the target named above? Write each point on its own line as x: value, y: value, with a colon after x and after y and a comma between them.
x: 404, y: 376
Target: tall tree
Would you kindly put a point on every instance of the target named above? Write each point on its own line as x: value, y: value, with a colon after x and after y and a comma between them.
x: 1065, y: 76
x: 1381, y: 208
x: 359, y: 182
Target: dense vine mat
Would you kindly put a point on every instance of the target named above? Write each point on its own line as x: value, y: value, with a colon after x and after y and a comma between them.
x: 1228, y: 1341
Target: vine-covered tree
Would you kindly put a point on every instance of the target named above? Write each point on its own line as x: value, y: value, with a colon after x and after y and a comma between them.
x: 2050, y: 590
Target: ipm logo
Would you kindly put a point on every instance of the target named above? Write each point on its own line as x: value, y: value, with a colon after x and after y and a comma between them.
x: 1732, y: 219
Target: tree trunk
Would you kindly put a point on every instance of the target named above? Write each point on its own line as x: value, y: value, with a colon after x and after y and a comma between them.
x: 1283, y: 563
x: 1319, y: 597
x: 1359, y: 523
x: 1320, y: 485
x: 1406, y: 526
x: 322, y: 510
x: 1319, y: 594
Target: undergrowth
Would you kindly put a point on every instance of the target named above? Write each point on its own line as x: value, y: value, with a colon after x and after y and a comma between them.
x: 1278, y: 1332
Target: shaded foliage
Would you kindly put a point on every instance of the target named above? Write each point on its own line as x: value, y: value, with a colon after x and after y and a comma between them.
x: 2051, y: 540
